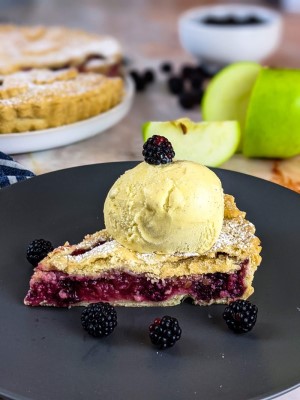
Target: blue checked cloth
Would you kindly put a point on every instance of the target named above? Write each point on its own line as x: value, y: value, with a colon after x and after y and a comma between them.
x: 11, y: 171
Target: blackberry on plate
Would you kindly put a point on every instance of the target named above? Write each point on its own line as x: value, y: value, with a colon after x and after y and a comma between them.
x: 164, y: 332
x: 99, y: 319
x: 240, y: 316
x: 158, y: 150
x: 37, y: 250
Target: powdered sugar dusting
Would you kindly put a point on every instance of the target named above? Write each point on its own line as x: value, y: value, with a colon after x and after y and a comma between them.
x: 236, y: 233
x: 38, y: 85
x: 103, y: 250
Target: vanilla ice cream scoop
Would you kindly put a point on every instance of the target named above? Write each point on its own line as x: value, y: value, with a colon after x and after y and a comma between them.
x: 176, y: 207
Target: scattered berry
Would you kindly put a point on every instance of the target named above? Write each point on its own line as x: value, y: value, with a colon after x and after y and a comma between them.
x: 175, y: 85
x: 149, y: 76
x: 166, y: 67
x: 199, y: 72
x: 197, y: 95
x: 37, y: 250
x: 240, y: 316
x: 187, y: 71
x: 164, y: 332
x: 187, y: 100
x: 196, y: 82
x: 99, y: 319
x: 139, y: 80
x: 158, y: 150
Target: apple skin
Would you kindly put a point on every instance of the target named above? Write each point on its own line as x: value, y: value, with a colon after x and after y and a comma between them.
x: 208, y: 143
x: 273, y: 117
x: 227, y: 95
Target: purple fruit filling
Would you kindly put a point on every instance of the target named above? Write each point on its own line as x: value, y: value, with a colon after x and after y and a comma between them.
x: 113, y: 70
x: 79, y: 251
x: 62, y: 290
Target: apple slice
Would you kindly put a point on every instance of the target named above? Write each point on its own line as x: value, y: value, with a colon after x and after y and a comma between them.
x: 273, y: 118
x: 208, y: 143
x: 227, y: 95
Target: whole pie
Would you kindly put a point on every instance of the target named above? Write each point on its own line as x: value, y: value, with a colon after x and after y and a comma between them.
x: 40, y: 98
x: 101, y: 269
x: 27, y: 47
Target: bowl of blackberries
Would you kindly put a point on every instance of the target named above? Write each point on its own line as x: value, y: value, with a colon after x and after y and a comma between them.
x: 223, y: 34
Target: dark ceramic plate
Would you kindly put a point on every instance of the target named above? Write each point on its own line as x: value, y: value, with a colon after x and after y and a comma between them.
x: 45, y: 354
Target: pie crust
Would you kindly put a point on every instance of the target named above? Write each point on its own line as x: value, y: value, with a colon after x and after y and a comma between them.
x: 98, y: 259
x: 29, y: 47
x: 40, y: 99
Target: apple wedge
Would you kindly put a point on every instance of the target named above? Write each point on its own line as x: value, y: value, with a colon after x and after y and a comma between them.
x: 273, y: 118
x: 208, y: 143
x: 227, y: 96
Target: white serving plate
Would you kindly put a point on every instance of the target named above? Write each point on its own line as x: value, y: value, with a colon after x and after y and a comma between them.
x: 25, y: 142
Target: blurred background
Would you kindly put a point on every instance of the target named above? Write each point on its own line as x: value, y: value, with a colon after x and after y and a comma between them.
x: 148, y: 33
x: 145, y: 28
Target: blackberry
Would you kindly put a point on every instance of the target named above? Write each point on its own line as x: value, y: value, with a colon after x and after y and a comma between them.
x: 99, y: 319
x: 196, y: 82
x: 175, y: 85
x: 199, y: 72
x: 139, y: 81
x: 240, y: 316
x: 37, y: 250
x: 187, y: 100
x: 164, y: 332
x: 187, y: 71
x: 166, y: 67
x: 158, y: 150
x: 197, y: 95
x: 149, y: 76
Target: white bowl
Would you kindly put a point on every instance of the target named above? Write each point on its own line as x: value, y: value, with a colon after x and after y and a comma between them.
x: 225, y: 44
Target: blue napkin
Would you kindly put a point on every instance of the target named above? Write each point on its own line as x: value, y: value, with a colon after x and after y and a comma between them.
x: 11, y: 171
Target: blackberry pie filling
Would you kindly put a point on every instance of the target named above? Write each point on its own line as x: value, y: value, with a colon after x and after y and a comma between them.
x: 92, y: 63
x: 61, y: 290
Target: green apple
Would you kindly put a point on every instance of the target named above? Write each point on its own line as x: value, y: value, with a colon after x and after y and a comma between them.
x: 227, y: 95
x: 273, y: 118
x: 208, y: 143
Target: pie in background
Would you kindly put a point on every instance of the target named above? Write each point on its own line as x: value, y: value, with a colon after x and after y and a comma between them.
x: 30, y: 47
x: 40, y: 98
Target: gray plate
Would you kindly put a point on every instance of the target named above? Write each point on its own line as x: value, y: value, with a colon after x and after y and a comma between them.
x: 45, y: 354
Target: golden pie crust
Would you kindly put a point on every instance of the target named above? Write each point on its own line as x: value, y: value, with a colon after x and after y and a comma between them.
x: 28, y: 47
x: 236, y: 243
x: 40, y: 99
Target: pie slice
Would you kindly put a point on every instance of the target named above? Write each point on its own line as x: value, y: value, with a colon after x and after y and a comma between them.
x: 101, y: 269
x: 28, y: 47
x: 41, y: 99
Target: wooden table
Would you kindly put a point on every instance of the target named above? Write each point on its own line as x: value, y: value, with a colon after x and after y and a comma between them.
x: 148, y: 33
